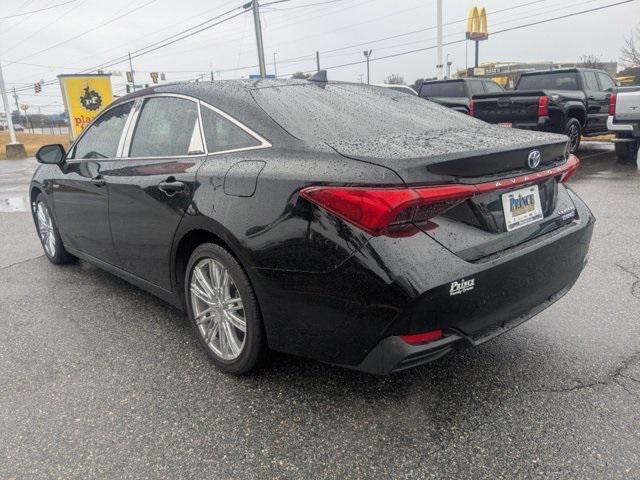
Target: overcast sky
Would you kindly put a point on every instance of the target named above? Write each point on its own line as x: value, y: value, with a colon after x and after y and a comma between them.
x: 292, y: 29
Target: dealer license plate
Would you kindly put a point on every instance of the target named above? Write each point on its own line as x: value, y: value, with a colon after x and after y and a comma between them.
x: 522, y: 207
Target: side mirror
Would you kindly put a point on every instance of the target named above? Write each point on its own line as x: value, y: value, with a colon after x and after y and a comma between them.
x: 51, y: 154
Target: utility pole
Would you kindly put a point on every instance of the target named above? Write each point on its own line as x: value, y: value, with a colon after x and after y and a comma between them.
x: 14, y: 149
x: 211, y: 75
x: 439, y: 35
x: 448, y: 67
x: 275, y: 67
x: 367, y: 54
x: 133, y: 78
x: 258, y: 27
x: 317, y: 60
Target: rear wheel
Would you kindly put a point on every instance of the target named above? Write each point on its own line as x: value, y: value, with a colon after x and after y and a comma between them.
x: 573, y: 130
x: 627, y: 151
x: 223, y: 310
x: 48, y: 233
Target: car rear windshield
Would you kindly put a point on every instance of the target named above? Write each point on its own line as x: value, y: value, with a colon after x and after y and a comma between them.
x: 348, y: 112
x: 443, y: 89
x: 549, y: 81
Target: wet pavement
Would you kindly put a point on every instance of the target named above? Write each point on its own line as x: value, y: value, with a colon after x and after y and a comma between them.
x: 101, y: 380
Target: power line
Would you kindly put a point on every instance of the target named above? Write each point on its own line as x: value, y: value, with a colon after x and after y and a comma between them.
x: 39, y: 10
x: 161, y: 43
x: 75, y: 37
x: 432, y: 47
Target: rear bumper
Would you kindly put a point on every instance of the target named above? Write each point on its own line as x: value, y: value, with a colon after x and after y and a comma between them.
x: 354, y: 315
x: 392, y: 354
x: 543, y: 124
x: 632, y: 129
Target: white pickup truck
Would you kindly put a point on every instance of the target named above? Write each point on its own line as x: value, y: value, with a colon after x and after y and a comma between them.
x: 624, y: 121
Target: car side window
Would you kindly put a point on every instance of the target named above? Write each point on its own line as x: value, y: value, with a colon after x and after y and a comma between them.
x: 167, y: 127
x: 605, y: 82
x: 475, y: 87
x: 493, y: 87
x: 221, y: 134
x: 590, y: 82
x: 103, y: 136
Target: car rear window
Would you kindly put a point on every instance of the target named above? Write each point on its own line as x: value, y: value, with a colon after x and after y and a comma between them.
x: 348, y: 112
x: 549, y: 81
x: 443, y: 89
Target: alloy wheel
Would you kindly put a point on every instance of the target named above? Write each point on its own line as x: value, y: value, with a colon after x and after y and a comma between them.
x: 574, y: 136
x: 45, y: 229
x: 218, y: 309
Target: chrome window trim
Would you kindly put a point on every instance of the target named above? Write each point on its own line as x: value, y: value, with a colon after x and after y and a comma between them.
x: 264, y: 143
x: 72, y: 149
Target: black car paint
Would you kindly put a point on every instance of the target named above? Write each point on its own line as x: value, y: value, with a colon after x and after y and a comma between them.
x: 520, y: 106
x: 326, y: 289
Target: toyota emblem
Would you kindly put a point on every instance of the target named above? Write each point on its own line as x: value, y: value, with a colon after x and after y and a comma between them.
x: 534, y: 159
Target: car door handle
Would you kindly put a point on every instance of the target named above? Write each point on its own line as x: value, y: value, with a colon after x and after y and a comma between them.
x: 171, y: 187
x: 98, y: 181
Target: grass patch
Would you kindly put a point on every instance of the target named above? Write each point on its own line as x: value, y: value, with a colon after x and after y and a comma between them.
x: 32, y: 141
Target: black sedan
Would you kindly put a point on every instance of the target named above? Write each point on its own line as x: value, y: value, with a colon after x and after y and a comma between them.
x: 346, y: 223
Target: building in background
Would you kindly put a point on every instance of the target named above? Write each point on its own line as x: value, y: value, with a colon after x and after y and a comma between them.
x: 507, y: 74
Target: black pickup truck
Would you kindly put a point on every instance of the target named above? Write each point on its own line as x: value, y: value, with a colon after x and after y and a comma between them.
x: 570, y: 101
x: 457, y: 93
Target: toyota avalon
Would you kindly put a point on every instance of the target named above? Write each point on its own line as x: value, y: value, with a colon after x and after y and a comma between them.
x: 346, y: 223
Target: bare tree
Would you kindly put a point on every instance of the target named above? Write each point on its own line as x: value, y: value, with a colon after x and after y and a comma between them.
x: 301, y: 75
x: 591, y: 61
x: 418, y: 83
x: 394, y: 79
x: 630, y: 54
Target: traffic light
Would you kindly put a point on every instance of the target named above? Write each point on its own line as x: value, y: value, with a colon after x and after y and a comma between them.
x: 154, y: 76
x: 130, y: 77
x: 37, y: 87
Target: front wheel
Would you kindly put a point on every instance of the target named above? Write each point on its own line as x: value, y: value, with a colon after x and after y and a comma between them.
x: 223, y: 310
x: 573, y: 130
x: 48, y: 233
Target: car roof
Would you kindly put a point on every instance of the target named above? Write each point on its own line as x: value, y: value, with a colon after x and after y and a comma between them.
x: 564, y: 70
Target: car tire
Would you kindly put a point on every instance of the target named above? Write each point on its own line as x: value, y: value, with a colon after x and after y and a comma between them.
x: 573, y: 130
x: 48, y: 233
x: 627, y: 151
x: 219, y: 308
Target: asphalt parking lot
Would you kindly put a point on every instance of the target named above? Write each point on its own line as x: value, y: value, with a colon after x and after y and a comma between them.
x: 101, y: 380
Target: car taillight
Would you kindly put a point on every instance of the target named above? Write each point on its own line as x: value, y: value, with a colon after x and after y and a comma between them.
x: 571, y: 168
x: 385, y: 210
x: 472, y: 108
x: 543, y: 106
x: 420, y: 338
x: 613, y: 99
x: 374, y: 209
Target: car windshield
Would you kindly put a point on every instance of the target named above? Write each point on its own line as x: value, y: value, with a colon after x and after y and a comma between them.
x: 549, y: 81
x: 443, y: 89
x: 346, y: 112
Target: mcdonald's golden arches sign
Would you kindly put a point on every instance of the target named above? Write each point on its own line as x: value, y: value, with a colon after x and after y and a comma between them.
x: 477, y: 24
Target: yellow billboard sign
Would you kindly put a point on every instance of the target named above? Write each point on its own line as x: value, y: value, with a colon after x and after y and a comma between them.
x: 84, y: 96
x: 477, y: 28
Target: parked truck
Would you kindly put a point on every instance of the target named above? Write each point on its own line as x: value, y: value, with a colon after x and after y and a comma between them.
x: 457, y: 93
x: 570, y: 101
x: 624, y: 121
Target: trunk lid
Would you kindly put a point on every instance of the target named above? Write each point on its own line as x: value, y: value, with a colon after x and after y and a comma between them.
x: 516, y: 106
x: 477, y: 227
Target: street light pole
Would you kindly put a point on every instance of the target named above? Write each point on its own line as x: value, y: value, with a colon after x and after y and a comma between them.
x: 275, y: 67
x: 258, y: 27
x: 439, y: 41
x: 367, y: 54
